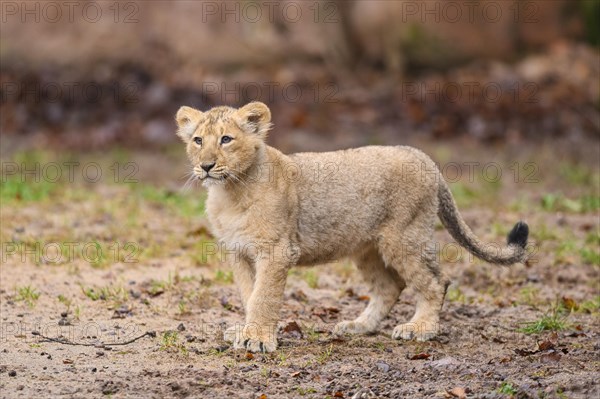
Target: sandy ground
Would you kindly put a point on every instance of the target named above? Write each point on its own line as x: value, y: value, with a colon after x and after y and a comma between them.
x: 166, y: 287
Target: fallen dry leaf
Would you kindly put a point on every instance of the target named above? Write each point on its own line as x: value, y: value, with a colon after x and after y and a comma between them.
x: 524, y: 352
x: 551, y: 357
x: 299, y: 296
x: 546, y: 345
x: 458, y: 392
x: 293, y: 329
x: 569, y: 303
x: 420, y: 356
x: 200, y: 231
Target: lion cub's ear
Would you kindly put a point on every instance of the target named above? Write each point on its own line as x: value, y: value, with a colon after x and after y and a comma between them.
x: 187, y: 119
x: 255, y: 117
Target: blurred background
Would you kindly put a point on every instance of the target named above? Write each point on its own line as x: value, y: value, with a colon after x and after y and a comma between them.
x: 335, y: 73
x: 99, y: 228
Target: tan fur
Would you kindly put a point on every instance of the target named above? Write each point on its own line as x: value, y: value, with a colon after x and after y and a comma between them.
x: 376, y: 205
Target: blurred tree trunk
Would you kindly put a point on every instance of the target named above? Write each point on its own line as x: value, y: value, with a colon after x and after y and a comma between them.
x: 343, y: 52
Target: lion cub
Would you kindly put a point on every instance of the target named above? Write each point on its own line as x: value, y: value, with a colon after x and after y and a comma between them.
x: 376, y: 205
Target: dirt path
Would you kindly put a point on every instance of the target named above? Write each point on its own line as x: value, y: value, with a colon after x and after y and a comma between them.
x: 526, y: 331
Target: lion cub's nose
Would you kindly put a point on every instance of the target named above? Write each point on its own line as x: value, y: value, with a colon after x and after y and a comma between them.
x: 207, y: 166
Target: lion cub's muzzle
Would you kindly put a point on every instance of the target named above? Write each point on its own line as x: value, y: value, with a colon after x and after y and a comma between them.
x: 210, y: 173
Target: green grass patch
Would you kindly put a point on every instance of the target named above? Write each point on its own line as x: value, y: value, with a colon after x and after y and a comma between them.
x: 590, y: 306
x: 590, y: 256
x: 311, y: 278
x: 110, y: 293
x: 325, y: 355
x: 529, y: 295
x: 506, y: 388
x: 187, y: 205
x: 558, y: 203
x: 305, y: 391
x: 27, y: 294
x: 543, y: 233
x: 455, y: 294
x: 170, y: 342
x: 553, y: 320
x: 566, y: 252
x: 464, y: 195
x: 224, y: 277
x: 578, y: 174
x: 16, y: 189
x: 158, y: 287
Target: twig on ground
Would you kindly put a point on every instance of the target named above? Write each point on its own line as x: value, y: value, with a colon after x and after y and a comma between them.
x: 67, y: 342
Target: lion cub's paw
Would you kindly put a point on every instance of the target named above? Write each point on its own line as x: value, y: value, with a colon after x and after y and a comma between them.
x: 256, y: 345
x: 247, y: 338
x: 351, y: 327
x: 421, y: 331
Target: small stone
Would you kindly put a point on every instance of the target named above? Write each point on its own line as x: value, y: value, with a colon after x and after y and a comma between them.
x: 175, y: 386
x: 135, y: 294
x: 190, y: 338
x: 383, y: 366
x: 222, y: 348
x: 445, y: 362
x: 364, y: 393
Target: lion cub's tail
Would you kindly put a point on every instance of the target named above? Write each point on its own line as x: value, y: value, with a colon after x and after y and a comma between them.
x: 503, y: 255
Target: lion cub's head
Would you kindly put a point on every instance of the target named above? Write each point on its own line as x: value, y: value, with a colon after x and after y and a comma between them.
x: 224, y: 142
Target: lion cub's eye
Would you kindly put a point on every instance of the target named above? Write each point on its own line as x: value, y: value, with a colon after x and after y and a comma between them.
x: 198, y: 140
x: 226, y: 139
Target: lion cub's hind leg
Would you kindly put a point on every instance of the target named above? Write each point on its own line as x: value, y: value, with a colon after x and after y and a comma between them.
x: 413, y: 254
x: 385, y: 286
x: 430, y: 290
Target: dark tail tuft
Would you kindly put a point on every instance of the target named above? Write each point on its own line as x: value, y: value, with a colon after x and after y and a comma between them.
x: 518, y: 235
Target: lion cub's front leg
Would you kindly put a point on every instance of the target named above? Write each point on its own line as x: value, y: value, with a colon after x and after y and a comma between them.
x: 243, y: 274
x: 259, y: 334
